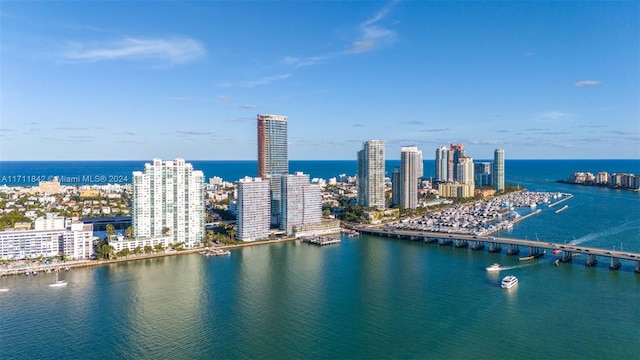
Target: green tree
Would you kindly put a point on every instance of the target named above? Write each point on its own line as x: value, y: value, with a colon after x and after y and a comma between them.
x: 165, y: 231
x: 129, y: 231
x: 124, y: 252
x: 105, y: 251
x: 137, y: 250
x: 148, y: 249
x: 159, y: 247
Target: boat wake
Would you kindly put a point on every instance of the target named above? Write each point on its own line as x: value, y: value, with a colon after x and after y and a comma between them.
x: 518, y: 266
x: 614, y: 230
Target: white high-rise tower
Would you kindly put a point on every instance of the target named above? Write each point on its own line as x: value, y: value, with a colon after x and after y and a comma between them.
x: 410, y: 174
x: 371, y: 174
x: 498, y: 170
x: 168, y: 200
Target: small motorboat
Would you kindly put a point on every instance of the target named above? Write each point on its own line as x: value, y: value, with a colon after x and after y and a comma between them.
x: 493, y: 267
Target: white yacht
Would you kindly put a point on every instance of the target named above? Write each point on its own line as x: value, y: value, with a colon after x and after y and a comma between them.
x: 493, y: 267
x: 509, y: 281
x: 4, y: 289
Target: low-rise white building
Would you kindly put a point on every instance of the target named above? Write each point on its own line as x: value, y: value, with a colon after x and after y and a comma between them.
x: 121, y: 243
x: 52, y: 236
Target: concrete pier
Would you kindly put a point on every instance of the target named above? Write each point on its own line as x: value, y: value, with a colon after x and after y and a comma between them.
x: 461, y: 243
x: 615, y: 263
x: 591, y: 260
x: 512, y: 249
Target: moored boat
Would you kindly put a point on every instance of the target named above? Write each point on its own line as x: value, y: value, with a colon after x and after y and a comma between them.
x: 508, y: 282
x: 4, y: 289
x: 534, y: 256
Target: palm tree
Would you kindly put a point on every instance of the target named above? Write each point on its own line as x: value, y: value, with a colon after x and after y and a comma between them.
x: 110, y: 231
x: 129, y: 231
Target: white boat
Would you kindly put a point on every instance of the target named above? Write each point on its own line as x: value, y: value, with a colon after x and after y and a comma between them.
x: 509, y: 281
x: 4, y: 289
x: 493, y: 267
x: 59, y: 283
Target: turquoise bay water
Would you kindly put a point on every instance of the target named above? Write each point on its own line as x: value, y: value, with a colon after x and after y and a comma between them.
x: 366, y: 298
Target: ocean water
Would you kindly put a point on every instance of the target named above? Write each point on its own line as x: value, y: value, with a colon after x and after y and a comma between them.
x: 28, y: 173
x: 366, y: 298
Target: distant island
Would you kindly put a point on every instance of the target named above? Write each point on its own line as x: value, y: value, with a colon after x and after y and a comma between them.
x: 622, y: 181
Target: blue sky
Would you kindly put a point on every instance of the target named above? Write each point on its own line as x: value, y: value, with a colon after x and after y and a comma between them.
x: 144, y: 79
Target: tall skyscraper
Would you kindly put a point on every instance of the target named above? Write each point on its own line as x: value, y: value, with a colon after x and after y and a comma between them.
x: 395, y: 186
x: 301, y: 202
x: 410, y: 174
x: 273, y: 160
x: 272, y: 145
x: 464, y: 170
x: 498, y: 170
x: 371, y: 174
x: 253, y: 209
x: 442, y: 164
x: 168, y: 200
x: 455, y: 153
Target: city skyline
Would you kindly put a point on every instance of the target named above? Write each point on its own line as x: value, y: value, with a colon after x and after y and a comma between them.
x: 136, y: 80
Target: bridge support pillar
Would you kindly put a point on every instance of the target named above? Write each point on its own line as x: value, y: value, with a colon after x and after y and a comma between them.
x: 637, y: 270
x: 567, y: 256
x: 591, y: 260
x: 444, y: 242
x: 615, y: 263
x: 477, y: 245
x: 495, y: 247
x: 459, y: 243
x: 513, y: 249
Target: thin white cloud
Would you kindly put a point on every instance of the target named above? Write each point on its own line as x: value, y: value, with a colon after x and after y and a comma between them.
x: 373, y: 34
x: 173, y: 50
x: 241, y: 119
x: 224, y: 98
x: 182, y: 132
x: 554, y: 115
x: 179, y: 98
x: 248, y: 106
x: 264, y: 81
x: 306, y: 61
x: 588, y: 83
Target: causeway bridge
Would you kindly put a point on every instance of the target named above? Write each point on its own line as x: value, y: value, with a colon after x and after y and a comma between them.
x: 535, y: 247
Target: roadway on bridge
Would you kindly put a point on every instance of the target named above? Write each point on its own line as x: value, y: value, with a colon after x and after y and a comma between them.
x: 499, y: 240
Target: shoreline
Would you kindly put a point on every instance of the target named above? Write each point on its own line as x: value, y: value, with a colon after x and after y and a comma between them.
x: 60, y: 266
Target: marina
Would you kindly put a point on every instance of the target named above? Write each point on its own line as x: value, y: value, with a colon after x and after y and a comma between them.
x: 483, y: 217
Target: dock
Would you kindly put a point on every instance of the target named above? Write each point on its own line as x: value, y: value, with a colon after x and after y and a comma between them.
x: 321, y: 240
x: 560, y: 201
